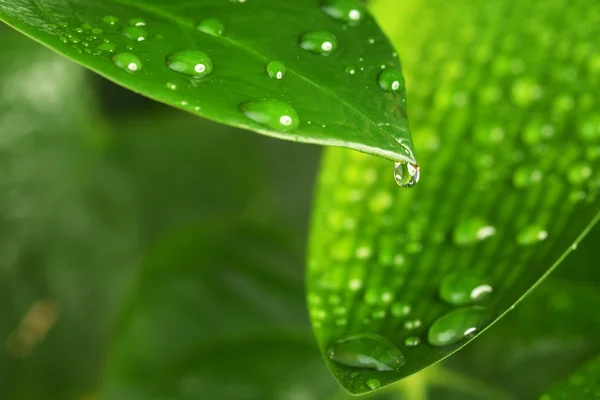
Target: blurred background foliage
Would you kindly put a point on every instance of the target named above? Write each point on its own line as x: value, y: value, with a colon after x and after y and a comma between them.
x: 138, y: 260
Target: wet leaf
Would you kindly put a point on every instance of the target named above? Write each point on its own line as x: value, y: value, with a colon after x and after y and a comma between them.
x: 379, y: 254
x: 212, y: 59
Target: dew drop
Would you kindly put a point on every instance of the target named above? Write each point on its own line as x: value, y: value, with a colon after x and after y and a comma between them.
x: 579, y: 173
x: 412, y: 341
x: 211, y: 26
x: 136, y: 33
x: 589, y: 130
x: 374, y: 384
x: 400, y: 309
x: 344, y: 10
x: 274, y: 114
x: 369, y: 351
x: 391, y: 80
x: 127, y: 61
x: 350, y: 70
x: 525, y: 177
x: 412, y: 324
x: 109, y: 47
x: 457, y: 325
x: 320, y: 42
x: 171, y: 86
x: 97, y: 31
x: 191, y: 62
x: 461, y: 289
x: 531, y: 235
x: 406, y: 175
x: 137, y: 22
x: 276, y: 70
x: 471, y: 231
x: 110, y: 20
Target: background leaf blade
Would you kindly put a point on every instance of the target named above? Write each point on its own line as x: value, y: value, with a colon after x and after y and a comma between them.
x: 486, y: 95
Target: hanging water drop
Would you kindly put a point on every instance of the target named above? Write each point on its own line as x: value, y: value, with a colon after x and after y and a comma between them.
x: 211, y: 26
x: 406, y: 175
x: 320, y: 42
x: 191, y: 62
x: 457, y: 325
x: 136, y: 33
x: 127, y: 61
x: 274, y: 114
x: 391, y: 80
x: 276, y: 70
x: 459, y: 289
x: 368, y: 351
x: 344, y: 10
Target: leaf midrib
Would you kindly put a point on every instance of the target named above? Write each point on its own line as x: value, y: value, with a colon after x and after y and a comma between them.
x: 182, y: 21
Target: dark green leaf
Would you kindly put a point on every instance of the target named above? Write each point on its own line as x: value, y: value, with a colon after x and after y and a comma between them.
x: 67, y: 238
x: 584, y: 384
x: 508, y: 179
x: 208, y: 322
x: 211, y: 59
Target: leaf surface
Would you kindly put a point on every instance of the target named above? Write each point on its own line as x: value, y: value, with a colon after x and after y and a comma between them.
x: 583, y: 384
x: 509, y: 182
x: 166, y: 49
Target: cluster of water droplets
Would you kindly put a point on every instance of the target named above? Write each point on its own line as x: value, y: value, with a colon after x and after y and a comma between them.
x: 197, y: 64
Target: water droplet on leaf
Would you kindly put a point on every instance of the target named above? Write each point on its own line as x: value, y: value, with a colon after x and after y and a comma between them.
x: 191, y: 62
x: 460, y: 289
x: 110, y: 20
x: 276, y: 70
x: 531, y: 235
x: 211, y: 26
x: 272, y: 113
x: 127, y: 61
x: 344, y: 10
x: 406, y: 175
x: 136, y: 33
x: 374, y: 384
x: 391, y: 80
x: 457, y: 325
x: 320, y: 42
x: 369, y: 351
x: 137, y: 22
x: 471, y: 231
x: 412, y: 341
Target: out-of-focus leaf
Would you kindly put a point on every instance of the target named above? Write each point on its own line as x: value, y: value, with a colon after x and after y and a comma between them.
x: 67, y: 239
x: 510, y: 176
x: 181, y: 173
x: 215, y: 59
x: 584, y: 384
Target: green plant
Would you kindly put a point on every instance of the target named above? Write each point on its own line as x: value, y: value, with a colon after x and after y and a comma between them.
x: 144, y: 259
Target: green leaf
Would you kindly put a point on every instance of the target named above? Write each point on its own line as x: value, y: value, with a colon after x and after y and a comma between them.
x: 584, y: 384
x: 552, y: 332
x: 510, y: 181
x: 213, y: 59
x: 67, y: 236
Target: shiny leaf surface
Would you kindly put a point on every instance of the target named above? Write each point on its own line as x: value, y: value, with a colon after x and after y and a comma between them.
x: 212, y: 59
x: 522, y: 191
